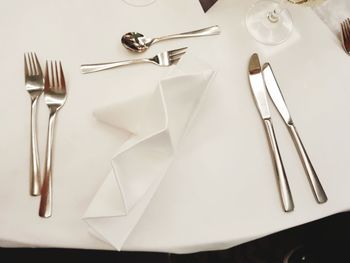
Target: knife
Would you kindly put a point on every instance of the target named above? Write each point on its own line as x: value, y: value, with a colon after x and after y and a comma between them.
x: 277, y: 98
x: 258, y: 87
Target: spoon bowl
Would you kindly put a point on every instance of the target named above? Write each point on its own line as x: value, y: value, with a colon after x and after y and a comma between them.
x: 136, y: 42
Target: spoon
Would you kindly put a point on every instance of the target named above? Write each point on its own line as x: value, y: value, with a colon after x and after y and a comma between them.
x: 137, y: 42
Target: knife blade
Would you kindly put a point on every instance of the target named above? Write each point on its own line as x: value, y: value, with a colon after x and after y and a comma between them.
x: 259, y: 91
x: 258, y: 87
x: 279, y: 101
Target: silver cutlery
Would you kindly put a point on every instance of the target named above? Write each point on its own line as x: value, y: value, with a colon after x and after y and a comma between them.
x: 163, y: 59
x: 278, y: 99
x: 34, y: 83
x: 345, y: 34
x: 55, y: 95
x: 259, y: 91
x: 137, y: 42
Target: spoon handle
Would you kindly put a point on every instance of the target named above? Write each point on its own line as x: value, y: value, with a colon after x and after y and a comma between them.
x: 89, y: 68
x: 209, y: 31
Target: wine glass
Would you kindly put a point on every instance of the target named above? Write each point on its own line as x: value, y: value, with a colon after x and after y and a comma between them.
x: 270, y: 23
x: 139, y: 2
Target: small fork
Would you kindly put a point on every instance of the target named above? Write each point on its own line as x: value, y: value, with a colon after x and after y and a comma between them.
x: 34, y: 82
x: 164, y: 59
x: 345, y: 33
x: 55, y: 96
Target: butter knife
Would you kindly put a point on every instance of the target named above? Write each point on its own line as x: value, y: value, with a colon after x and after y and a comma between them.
x: 277, y: 98
x: 259, y: 91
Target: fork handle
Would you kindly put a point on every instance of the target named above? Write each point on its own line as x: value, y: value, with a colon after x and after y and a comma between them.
x: 209, y: 31
x: 282, y: 181
x: 315, y: 183
x: 45, y: 209
x: 35, y: 180
x: 89, y: 68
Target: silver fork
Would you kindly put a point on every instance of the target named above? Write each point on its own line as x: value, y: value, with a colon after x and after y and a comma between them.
x: 164, y: 59
x: 34, y: 82
x: 345, y: 33
x: 55, y: 96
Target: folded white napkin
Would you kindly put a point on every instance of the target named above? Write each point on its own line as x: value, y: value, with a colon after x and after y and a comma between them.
x: 333, y: 12
x: 156, y: 123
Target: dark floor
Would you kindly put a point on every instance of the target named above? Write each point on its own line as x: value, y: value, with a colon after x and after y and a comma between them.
x: 326, y: 240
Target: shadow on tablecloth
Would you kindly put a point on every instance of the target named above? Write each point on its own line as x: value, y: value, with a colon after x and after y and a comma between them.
x: 325, y: 240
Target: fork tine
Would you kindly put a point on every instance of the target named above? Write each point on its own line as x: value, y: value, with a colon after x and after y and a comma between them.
x: 176, y: 51
x: 347, y: 27
x: 37, y: 64
x: 30, y: 72
x: 31, y: 64
x: 53, y: 84
x: 47, y: 78
x: 56, y: 76
x: 176, y: 56
x: 174, y: 61
x: 344, y: 28
x: 346, y: 37
x: 346, y: 31
x: 343, y: 34
x: 62, y: 80
x: 26, y: 70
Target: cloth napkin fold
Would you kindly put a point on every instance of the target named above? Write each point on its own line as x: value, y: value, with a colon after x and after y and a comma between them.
x: 156, y: 123
x: 333, y: 12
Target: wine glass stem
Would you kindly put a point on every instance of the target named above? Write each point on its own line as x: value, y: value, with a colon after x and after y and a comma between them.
x: 274, y: 16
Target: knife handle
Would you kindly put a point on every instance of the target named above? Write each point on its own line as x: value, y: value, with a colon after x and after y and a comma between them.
x: 315, y: 183
x: 282, y: 181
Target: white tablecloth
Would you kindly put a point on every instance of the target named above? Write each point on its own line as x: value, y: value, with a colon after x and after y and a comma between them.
x: 235, y: 199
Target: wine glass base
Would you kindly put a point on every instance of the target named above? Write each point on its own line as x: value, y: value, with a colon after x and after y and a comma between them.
x: 139, y: 2
x: 266, y: 29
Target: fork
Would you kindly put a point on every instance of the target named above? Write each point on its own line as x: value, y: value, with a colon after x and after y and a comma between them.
x: 163, y: 59
x: 34, y: 83
x: 55, y: 96
x: 345, y: 33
